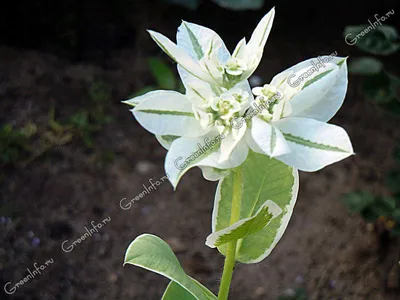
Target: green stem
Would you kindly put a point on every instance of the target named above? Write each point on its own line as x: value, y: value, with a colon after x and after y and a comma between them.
x: 231, y: 250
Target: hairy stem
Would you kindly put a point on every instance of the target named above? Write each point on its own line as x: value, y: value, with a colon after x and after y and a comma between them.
x: 231, y: 250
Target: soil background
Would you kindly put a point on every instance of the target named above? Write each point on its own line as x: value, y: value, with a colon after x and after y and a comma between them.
x: 50, y: 54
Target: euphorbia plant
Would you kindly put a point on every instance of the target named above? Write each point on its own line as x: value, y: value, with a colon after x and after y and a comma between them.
x: 257, y: 162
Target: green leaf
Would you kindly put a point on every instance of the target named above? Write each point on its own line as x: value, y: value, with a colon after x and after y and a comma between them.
x: 393, y: 181
x: 12, y: 144
x: 245, y: 227
x: 392, y: 90
x: 87, y: 139
x: 174, y: 292
x: 240, y: 4
x: 264, y: 178
x: 383, y: 206
x: 152, y: 253
x: 162, y: 73
x: 396, y: 215
x: 378, y: 40
x: 28, y: 130
x: 380, y: 88
x: 370, y: 215
x: 358, y: 201
x: 388, y: 202
x: 365, y: 66
x: 80, y: 120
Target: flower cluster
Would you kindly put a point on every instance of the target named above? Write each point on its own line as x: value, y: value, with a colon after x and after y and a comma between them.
x: 292, y: 127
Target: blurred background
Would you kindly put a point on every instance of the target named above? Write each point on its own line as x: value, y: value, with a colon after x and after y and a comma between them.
x: 70, y: 151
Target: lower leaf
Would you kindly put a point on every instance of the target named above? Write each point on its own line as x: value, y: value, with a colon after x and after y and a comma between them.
x: 263, y: 178
x: 152, y: 253
x: 174, y: 292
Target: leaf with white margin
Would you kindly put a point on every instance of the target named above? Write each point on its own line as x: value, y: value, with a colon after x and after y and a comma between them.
x: 313, y: 144
x: 268, y: 138
x: 167, y: 113
x: 260, y: 34
x: 263, y: 178
x: 328, y: 106
x: 186, y: 153
x: 256, y: 44
x: 313, y: 88
x: 321, y: 107
x: 194, y: 39
x: 152, y: 253
x: 180, y: 56
x: 282, y: 77
x: 245, y: 227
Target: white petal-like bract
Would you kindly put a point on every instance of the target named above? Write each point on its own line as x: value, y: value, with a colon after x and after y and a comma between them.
x: 313, y: 144
x: 167, y: 113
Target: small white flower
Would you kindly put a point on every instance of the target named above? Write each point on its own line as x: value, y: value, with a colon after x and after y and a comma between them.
x: 267, y: 90
x: 235, y: 66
